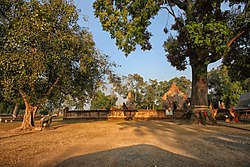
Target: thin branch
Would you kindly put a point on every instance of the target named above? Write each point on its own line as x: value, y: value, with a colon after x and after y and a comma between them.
x: 234, y: 38
x: 45, y: 99
x: 52, y: 87
x: 172, y: 10
x: 182, y: 5
x: 169, y: 11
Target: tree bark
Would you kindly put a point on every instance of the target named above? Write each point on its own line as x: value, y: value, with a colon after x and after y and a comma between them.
x: 14, y: 113
x: 199, y: 96
x: 28, y: 119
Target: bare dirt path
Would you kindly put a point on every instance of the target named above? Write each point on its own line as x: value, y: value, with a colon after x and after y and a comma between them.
x: 125, y: 143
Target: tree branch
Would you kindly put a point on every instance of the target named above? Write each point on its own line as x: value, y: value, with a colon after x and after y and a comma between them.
x: 169, y: 11
x: 52, y: 87
x: 24, y: 97
x: 180, y: 4
x: 45, y: 99
x: 234, y: 38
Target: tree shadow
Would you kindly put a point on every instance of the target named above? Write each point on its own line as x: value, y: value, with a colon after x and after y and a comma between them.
x: 152, y: 126
x: 218, y: 145
x: 142, y: 155
x: 231, y: 142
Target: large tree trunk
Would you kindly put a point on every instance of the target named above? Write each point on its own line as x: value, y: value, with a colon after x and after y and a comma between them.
x: 28, y: 119
x: 29, y: 115
x: 199, y: 96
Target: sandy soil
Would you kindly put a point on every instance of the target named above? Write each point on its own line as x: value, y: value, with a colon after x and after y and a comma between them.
x: 155, y: 143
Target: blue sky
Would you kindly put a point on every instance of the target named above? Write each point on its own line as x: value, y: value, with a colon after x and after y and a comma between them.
x: 149, y: 64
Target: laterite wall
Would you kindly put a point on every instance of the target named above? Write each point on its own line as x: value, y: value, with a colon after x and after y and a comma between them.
x: 115, y: 114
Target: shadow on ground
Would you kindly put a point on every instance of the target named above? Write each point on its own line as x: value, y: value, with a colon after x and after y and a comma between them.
x: 142, y: 155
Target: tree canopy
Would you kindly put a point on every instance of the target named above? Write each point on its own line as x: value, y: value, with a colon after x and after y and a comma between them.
x: 102, y: 101
x: 222, y: 87
x: 146, y: 94
x: 45, y: 54
x: 205, y: 32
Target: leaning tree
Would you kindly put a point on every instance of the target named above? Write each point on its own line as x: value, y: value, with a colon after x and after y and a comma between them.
x: 204, y: 32
x: 45, y: 54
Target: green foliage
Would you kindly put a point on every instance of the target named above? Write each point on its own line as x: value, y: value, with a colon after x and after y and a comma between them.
x: 6, y: 107
x: 147, y: 94
x: 134, y: 85
x: 46, y: 54
x: 150, y: 98
x: 44, y: 112
x: 102, y: 101
x: 202, y: 27
x: 176, y: 55
x: 238, y: 59
x: 211, y: 36
x: 222, y: 87
x: 127, y: 21
x: 204, y: 31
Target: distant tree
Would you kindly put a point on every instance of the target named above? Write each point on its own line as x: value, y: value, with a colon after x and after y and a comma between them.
x: 46, y: 55
x: 146, y: 94
x: 119, y: 84
x: 151, y: 95
x: 102, y: 101
x: 222, y: 88
x: 131, y: 85
x: 203, y: 32
x: 136, y: 87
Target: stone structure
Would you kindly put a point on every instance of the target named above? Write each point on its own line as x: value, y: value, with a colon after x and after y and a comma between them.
x: 6, y: 118
x: 174, y: 98
x: 116, y: 114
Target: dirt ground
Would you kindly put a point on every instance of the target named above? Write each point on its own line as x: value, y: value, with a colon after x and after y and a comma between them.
x: 155, y: 143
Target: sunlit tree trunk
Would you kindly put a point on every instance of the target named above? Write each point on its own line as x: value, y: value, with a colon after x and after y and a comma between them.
x: 29, y: 115
x: 199, y: 96
x: 28, y: 119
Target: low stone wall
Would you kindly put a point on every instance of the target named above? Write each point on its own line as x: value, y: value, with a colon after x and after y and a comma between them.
x: 115, y: 114
x: 6, y: 118
x: 150, y: 114
x: 86, y: 114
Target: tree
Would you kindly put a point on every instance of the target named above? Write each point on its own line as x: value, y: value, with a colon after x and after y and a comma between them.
x: 136, y: 88
x: 203, y: 32
x: 102, y: 101
x: 222, y: 88
x: 238, y: 59
x: 46, y: 55
x: 151, y: 95
x: 131, y: 87
x: 146, y: 94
